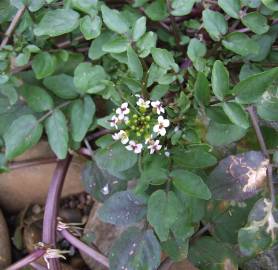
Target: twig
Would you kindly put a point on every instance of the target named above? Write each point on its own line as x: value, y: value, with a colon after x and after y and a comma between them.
x: 27, y: 260
x: 12, y: 26
x: 255, y: 123
x: 51, y: 207
x: 166, y: 264
x: 200, y: 232
x: 84, y: 248
x: 31, y: 162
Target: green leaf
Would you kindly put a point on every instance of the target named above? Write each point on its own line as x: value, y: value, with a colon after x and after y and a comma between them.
x: 159, y: 91
x: 87, y: 76
x: 252, y: 88
x: 271, y: 4
x: 99, y: 183
x: 23, y: 133
x: 251, y: 3
x: 201, y: 89
x: 43, y: 65
x: 182, y: 7
x: 163, y: 210
x: 236, y: 114
x: 256, y: 22
x: 86, y: 6
x: 191, y: 184
x: 210, y: 254
x: 223, y: 134
x: 238, y: 177
x: 215, y: 24
x: 95, y: 50
x: 81, y: 117
x: 134, y: 63
x: 231, y: 7
x: 139, y: 28
x: 253, y: 240
x: 220, y: 80
x: 146, y: 43
x: 37, y: 98
x: 267, y: 106
x: 117, y: 44
x: 157, y: 10
x: 114, y: 20
x: 123, y: 208
x: 193, y: 158
x: 61, y: 85
x: 57, y: 22
x: 22, y: 58
x: 90, y: 27
x: 196, y: 49
x: 115, y: 158
x: 163, y: 58
x: 240, y: 43
x: 135, y: 250
x: 10, y: 92
x: 57, y: 133
x: 220, y: 214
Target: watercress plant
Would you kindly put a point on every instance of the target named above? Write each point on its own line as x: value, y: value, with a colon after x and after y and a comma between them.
x: 174, y: 103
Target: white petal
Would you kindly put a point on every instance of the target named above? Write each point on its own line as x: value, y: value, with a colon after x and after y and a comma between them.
x: 124, y: 140
x: 129, y: 148
x: 118, y: 111
x: 124, y: 105
x: 166, y: 123
x: 156, y: 128
x: 158, y: 147
x: 162, y: 131
x: 160, y: 119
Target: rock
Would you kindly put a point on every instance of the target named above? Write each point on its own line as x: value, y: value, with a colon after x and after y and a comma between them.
x: 5, y: 245
x: 267, y: 260
x: 183, y: 265
x: 25, y: 186
x: 104, y: 236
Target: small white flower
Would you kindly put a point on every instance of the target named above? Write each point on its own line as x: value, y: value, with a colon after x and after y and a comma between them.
x: 135, y: 147
x: 162, y: 124
x: 121, y: 135
x: 143, y: 103
x: 158, y: 107
x: 154, y: 146
x: 122, y: 111
x: 114, y: 121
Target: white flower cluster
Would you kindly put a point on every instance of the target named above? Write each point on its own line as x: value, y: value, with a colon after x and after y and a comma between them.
x: 140, y: 127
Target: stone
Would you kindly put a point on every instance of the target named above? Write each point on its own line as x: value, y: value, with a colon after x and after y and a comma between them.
x: 24, y: 186
x: 183, y: 265
x: 5, y: 245
x: 104, y: 236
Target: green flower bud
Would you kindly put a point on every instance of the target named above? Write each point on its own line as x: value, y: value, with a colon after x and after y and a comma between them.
x: 148, y: 118
x: 134, y: 116
x: 133, y: 127
x: 138, y: 134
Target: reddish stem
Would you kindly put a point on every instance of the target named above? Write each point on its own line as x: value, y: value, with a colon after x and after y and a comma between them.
x: 51, y: 207
x: 97, y: 256
x: 27, y: 260
x: 31, y: 162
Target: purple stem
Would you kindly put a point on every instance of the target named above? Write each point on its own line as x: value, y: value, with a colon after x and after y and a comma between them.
x: 51, y: 207
x: 85, y: 248
x: 31, y: 162
x: 98, y: 134
x: 27, y: 260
